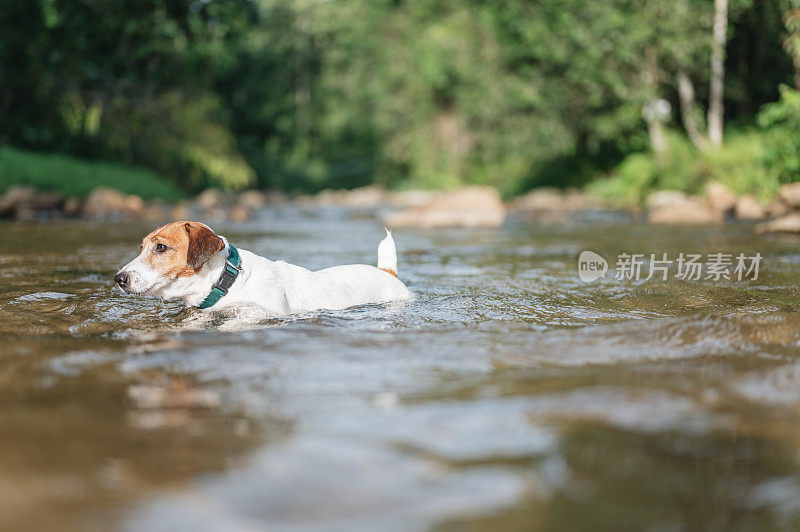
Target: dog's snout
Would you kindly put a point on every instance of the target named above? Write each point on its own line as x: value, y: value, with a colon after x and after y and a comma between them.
x: 122, y: 279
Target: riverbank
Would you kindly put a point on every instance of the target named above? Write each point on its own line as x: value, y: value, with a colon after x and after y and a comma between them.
x: 78, y: 178
x: 45, y: 187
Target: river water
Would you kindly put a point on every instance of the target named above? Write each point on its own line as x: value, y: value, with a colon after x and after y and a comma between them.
x: 508, y: 395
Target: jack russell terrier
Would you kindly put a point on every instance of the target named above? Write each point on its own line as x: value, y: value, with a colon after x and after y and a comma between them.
x: 188, y: 260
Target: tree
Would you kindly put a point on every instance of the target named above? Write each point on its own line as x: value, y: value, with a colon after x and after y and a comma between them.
x: 716, y: 108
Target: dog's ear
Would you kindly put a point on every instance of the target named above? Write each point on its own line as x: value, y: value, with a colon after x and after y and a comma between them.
x: 203, y: 244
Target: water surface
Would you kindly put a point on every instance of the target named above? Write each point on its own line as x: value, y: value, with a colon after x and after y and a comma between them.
x: 508, y: 395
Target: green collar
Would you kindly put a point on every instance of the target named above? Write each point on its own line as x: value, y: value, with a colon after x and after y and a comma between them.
x: 233, y: 265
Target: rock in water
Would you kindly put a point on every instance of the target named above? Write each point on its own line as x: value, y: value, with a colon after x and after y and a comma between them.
x: 748, y: 208
x: 720, y: 197
x: 788, y: 223
x: 468, y: 207
x: 110, y: 203
x: 660, y: 198
x: 686, y: 212
x: 15, y: 199
x: 790, y: 195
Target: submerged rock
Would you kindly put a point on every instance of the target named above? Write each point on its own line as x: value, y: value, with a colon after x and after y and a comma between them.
x: 469, y: 207
x: 689, y: 211
x: 174, y: 395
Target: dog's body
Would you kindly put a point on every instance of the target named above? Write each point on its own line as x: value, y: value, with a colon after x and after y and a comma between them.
x: 186, y: 260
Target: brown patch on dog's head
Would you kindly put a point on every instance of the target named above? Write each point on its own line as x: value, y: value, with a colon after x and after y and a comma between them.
x: 180, y: 249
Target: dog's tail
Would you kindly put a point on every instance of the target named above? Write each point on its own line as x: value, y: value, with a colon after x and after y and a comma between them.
x: 387, y: 254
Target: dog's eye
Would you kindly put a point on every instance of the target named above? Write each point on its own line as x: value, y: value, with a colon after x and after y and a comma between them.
x: 160, y: 248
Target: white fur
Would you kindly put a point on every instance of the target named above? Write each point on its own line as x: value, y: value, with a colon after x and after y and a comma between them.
x: 387, y: 253
x: 277, y: 287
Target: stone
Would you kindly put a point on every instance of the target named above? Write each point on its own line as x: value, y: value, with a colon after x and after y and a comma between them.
x: 539, y: 199
x: 551, y: 205
x: 155, y: 211
x: 410, y: 198
x: 469, y: 207
x: 239, y: 214
x: 788, y: 223
x: 47, y: 201
x: 211, y: 198
x: 252, y: 199
x: 73, y: 207
x: 776, y: 208
x: 16, y: 198
x: 661, y: 198
x: 362, y: 197
x: 790, y: 195
x: 720, y: 197
x: 107, y: 202
x: 369, y: 196
x: 690, y: 211
x: 25, y: 214
x: 181, y: 212
x: 748, y: 208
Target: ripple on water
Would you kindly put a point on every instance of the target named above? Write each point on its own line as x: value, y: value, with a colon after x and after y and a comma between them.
x: 506, y: 388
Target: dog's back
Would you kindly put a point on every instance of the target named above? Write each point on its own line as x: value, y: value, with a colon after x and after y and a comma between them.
x: 285, y: 288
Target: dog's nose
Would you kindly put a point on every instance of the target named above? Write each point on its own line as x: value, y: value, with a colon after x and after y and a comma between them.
x: 121, y: 279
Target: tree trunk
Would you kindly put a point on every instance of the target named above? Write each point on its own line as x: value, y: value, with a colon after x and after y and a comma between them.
x: 657, y: 139
x: 686, y: 95
x: 717, y: 89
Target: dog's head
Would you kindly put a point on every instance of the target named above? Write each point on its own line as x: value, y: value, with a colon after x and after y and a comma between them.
x: 171, y: 254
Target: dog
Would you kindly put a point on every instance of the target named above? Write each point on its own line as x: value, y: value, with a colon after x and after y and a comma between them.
x: 189, y: 261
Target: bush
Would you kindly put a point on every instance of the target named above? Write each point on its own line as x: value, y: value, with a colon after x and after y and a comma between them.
x: 780, y: 122
x: 739, y: 164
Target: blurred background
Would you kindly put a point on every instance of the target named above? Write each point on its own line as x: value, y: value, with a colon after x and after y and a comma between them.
x: 620, y: 96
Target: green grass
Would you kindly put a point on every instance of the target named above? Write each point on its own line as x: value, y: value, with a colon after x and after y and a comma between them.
x: 77, y: 177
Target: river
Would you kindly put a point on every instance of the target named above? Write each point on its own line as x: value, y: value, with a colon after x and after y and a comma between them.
x: 508, y: 395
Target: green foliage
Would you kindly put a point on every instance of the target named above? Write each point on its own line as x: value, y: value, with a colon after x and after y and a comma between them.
x: 75, y: 177
x: 124, y: 79
x: 634, y: 178
x: 781, y: 124
x: 738, y: 165
x: 189, y: 141
x: 306, y: 94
